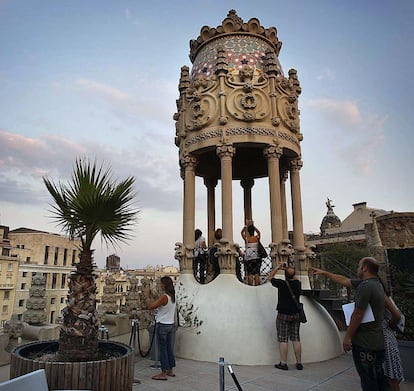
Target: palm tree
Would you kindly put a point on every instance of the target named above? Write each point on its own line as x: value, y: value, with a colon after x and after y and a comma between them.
x: 93, y: 203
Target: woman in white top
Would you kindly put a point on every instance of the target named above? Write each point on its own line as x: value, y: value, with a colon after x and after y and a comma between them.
x: 164, y: 319
x: 253, y: 262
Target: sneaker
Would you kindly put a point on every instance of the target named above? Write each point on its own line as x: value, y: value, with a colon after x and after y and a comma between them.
x: 299, y: 366
x: 281, y: 366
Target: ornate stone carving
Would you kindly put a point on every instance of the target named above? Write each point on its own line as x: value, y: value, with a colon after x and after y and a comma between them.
x: 296, y: 164
x: 201, y: 109
x: 233, y: 24
x: 108, y: 305
x: 288, y: 137
x: 36, y: 303
x: 227, y: 254
x: 184, y: 255
x: 132, y: 299
x: 215, y: 133
x: 222, y: 65
x: 285, y: 252
x: 249, y: 131
x: 225, y: 150
x: 14, y: 327
x: 273, y: 152
x: 188, y: 162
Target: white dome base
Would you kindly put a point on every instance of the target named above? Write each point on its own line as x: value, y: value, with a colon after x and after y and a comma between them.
x: 238, y: 323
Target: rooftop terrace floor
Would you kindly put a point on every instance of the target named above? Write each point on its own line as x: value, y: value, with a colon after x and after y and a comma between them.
x: 333, y: 375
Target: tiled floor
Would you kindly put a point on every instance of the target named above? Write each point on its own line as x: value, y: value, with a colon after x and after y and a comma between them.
x: 333, y: 375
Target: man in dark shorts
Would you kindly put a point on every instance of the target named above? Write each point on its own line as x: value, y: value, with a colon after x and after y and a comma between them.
x: 287, y: 320
x: 365, y: 339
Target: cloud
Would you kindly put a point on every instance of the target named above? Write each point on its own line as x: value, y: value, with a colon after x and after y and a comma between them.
x: 327, y: 74
x: 25, y: 160
x: 141, y: 104
x: 355, y: 136
x: 104, y: 90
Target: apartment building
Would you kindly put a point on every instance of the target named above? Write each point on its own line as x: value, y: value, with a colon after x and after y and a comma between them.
x: 9, y: 268
x: 51, y: 254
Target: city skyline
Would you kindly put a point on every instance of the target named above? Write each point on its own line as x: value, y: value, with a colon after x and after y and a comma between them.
x: 99, y: 79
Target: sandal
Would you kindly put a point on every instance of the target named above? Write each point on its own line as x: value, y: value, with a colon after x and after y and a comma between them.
x: 159, y: 377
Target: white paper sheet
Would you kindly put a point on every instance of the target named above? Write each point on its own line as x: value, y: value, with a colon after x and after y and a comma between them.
x: 349, y: 309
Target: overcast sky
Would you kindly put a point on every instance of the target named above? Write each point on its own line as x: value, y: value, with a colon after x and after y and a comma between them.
x: 99, y: 79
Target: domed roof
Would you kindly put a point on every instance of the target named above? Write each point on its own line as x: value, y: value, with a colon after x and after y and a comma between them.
x: 331, y: 220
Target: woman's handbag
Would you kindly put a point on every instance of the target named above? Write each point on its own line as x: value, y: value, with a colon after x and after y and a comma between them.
x: 261, y: 251
x: 302, y: 315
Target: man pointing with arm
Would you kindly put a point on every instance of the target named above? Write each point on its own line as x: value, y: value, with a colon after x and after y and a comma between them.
x: 365, y: 339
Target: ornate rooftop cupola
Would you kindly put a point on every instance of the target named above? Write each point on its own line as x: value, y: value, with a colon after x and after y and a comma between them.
x: 331, y: 220
x: 238, y: 119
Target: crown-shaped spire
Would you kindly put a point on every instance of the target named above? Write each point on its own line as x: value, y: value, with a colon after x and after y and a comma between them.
x: 234, y: 24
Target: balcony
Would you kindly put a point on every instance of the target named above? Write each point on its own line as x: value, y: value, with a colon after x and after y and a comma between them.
x: 7, y: 286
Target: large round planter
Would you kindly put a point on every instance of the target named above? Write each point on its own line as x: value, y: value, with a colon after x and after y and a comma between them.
x: 407, y: 358
x: 111, y: 374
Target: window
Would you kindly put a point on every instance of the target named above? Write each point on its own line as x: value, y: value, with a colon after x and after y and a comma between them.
x: 23, y: 286
x: 73, y: 256
x: 20, y: 317
x: 52, y: 300
x: 63, y: 282
x: 46, y: 254
x: 55, y: 260
x: 9, y: 267
x: 21, y: 303
x: 20, y: 246
x: 6, y: 295
x: 52, y: 316
x: 5, y: 309
x: 65, y: 256
x: 62, y: 300
x: 28, y: 259
x: 54, y: 279
x: 24, y: 274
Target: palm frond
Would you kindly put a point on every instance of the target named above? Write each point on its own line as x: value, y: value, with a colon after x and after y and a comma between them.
x: 93, y: 203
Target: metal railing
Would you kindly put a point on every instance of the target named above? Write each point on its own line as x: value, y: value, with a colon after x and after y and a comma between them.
x: 202, y: 271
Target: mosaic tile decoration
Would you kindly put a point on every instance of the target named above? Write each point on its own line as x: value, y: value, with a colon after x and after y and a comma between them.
x: 240, y: 50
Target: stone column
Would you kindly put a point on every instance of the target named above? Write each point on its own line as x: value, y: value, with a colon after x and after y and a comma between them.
x: 184, y: 251
x: 298, y: 238
x: 283, y: 179
x: 225, y: 152
x: 272, y: 154
x: 226, y: 251
x: 247, y: 185
x: 211, y: 183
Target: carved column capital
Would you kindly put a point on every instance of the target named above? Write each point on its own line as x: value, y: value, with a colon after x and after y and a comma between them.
x: 225, y: 150
x: 272, y: 152
x: 296, y: 165
x: 210, y: 182
x: 184, y: 255
x: 189, y: 162
x: 247, y: 183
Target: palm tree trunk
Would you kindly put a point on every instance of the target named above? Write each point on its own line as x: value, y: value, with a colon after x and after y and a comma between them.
x: 78, y: 339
